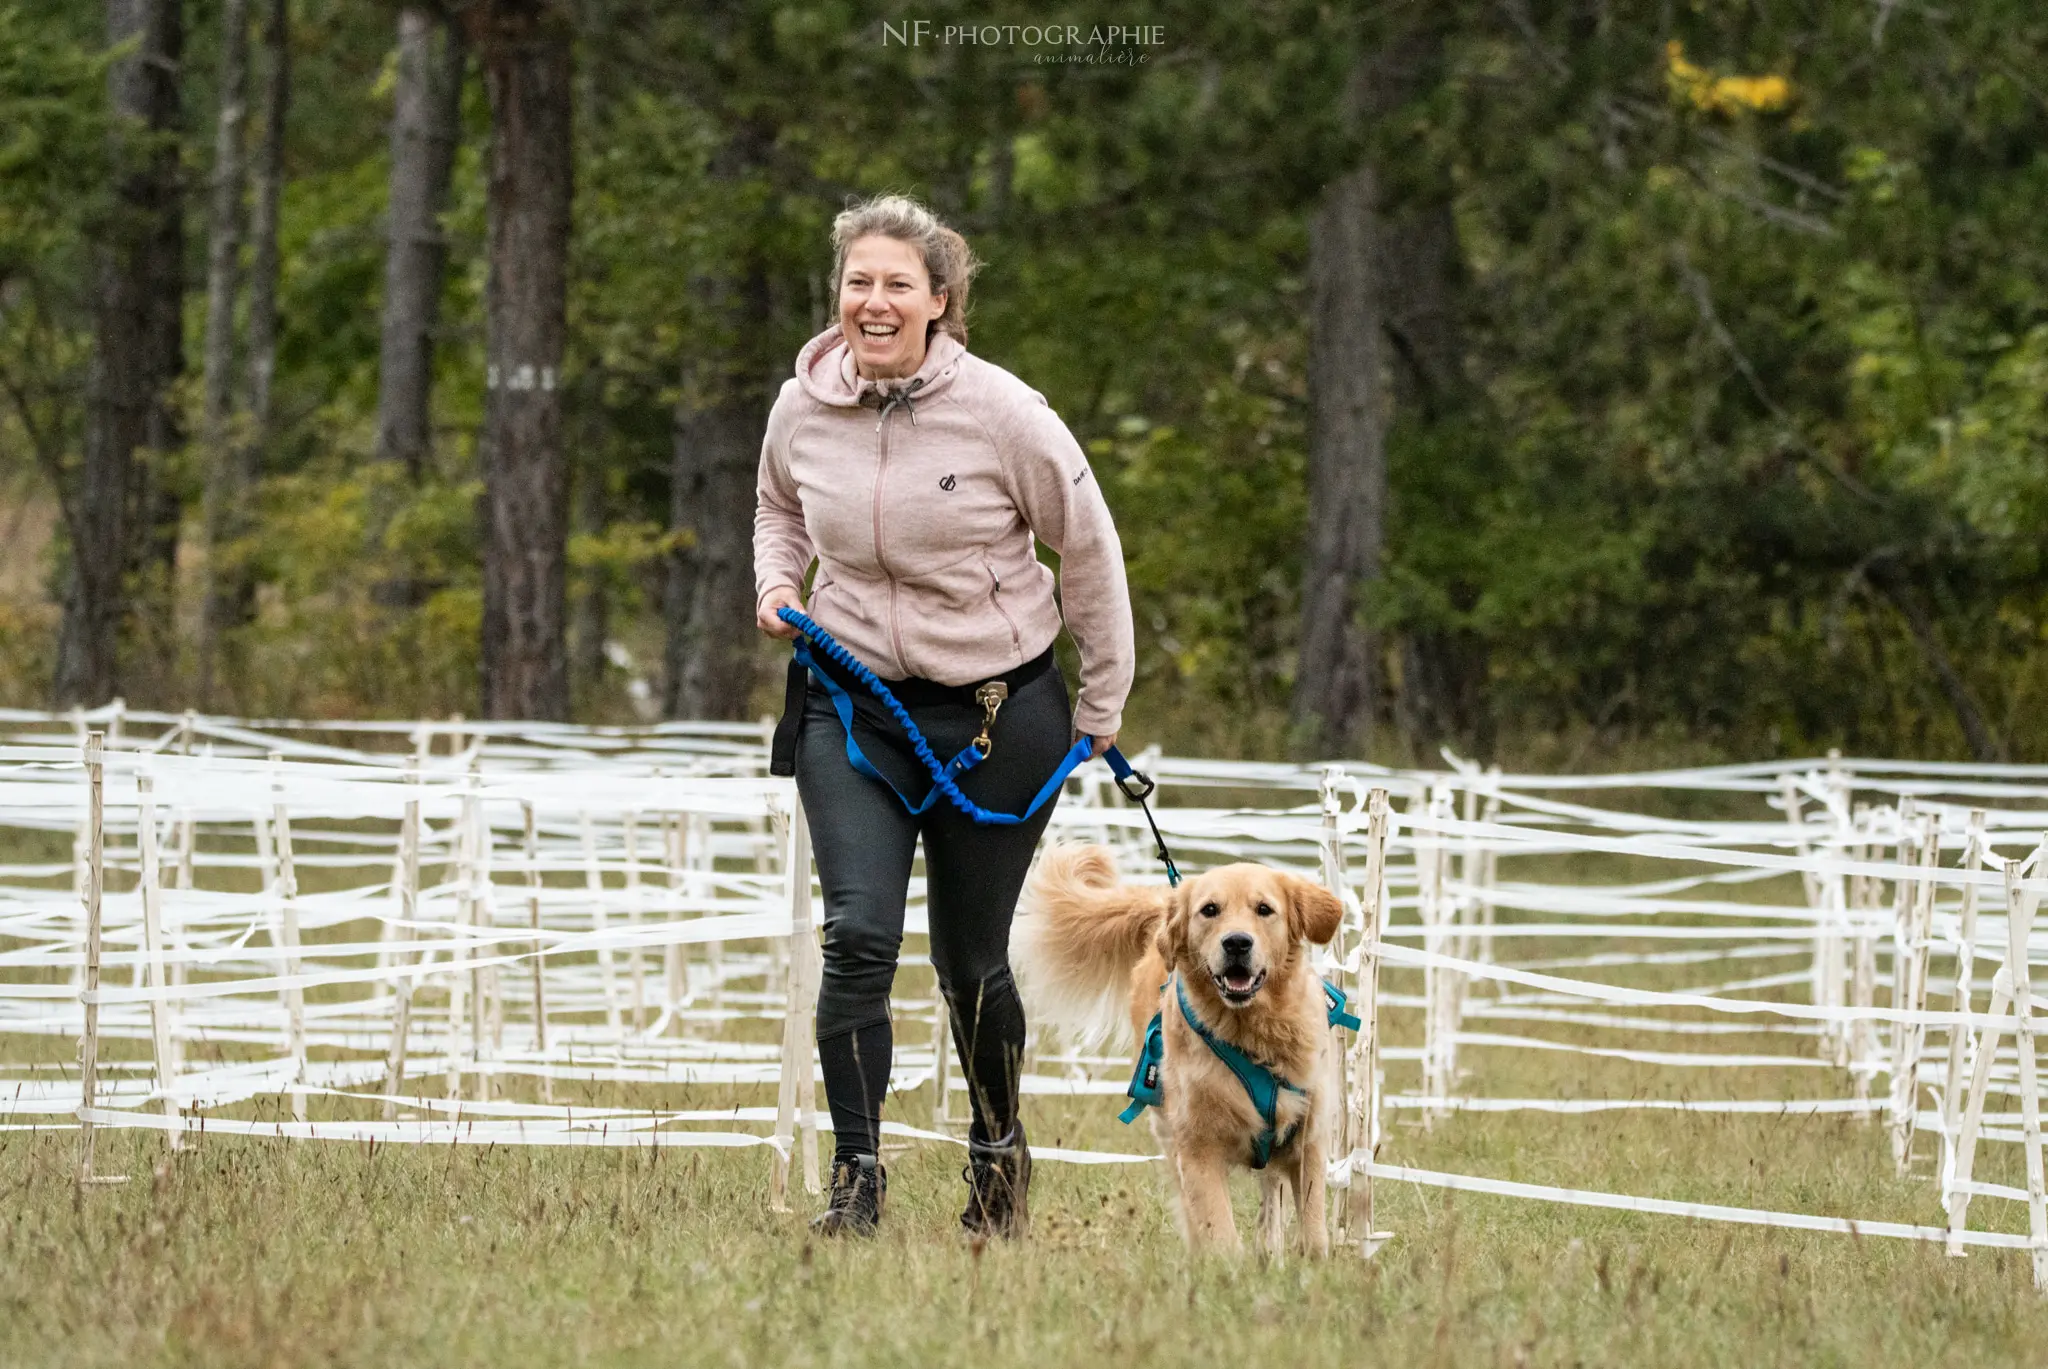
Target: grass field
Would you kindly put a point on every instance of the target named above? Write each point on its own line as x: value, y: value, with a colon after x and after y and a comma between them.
x: 246, y: 1252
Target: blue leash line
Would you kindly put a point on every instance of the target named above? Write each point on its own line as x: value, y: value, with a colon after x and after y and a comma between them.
x: 1262, y: 1084
x: 943, y: 773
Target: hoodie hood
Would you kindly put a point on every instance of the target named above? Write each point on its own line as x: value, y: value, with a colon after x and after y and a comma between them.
x: 825, y: 370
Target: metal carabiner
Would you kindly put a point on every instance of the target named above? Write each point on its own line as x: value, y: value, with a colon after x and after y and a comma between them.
x: 990, y: 696
x: 1137, y: 786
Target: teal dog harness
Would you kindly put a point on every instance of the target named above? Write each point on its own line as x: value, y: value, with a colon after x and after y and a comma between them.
x: 1261, y: 1084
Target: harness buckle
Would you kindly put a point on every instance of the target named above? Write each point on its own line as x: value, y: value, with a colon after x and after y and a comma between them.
x: 990, y: 696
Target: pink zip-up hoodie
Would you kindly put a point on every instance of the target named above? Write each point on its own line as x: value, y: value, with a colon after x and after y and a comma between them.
x: 920, y: 499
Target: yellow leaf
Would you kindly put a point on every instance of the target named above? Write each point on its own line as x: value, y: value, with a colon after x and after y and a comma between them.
x: 1704, y: 90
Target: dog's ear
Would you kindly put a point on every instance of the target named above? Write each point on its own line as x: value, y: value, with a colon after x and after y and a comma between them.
x: 1172, y: 938
x: 1313, y: 912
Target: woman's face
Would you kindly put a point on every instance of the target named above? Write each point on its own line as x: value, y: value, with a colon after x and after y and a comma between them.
x: 885, y: 305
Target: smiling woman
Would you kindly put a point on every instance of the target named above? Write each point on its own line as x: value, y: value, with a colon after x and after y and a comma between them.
x: 903, y: 277
x: 920, y: 478
x: 887, y: 308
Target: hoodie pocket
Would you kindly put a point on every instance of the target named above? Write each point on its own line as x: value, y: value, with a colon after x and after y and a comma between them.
x: 995, y: 597
x: 849, y: 603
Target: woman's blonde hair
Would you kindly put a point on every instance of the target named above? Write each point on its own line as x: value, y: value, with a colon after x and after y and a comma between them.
x: 947, y: 259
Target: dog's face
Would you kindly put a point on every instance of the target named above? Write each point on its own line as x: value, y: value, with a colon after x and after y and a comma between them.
x: 1240, y: 924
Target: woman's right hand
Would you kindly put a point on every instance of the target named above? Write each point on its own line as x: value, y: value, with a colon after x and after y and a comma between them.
x: 782, y: 596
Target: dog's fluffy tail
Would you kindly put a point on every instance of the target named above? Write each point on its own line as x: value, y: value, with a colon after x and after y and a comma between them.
x: 1079, y: 934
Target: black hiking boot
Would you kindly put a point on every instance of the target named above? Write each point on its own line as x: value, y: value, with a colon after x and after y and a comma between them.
x: 998, y: 1176
x: 855, y: 1208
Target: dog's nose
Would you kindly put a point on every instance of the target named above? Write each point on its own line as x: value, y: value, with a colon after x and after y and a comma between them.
x: 1237, y: 945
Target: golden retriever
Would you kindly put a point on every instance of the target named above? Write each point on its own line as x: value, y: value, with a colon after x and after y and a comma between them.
x: 1238, y: 937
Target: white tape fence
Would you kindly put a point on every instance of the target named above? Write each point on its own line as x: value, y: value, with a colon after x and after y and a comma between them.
x: 426, y: 927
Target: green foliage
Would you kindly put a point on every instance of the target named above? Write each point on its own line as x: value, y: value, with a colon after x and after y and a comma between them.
x: 51, y: 128
x: 53, y: 140
x: 1741, y: 358
x: 1754, y: 305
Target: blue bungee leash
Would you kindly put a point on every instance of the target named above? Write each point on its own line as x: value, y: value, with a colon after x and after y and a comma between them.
x: 1135, y: 785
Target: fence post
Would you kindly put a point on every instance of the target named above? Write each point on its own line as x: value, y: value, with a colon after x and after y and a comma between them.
x: 1905, y: 853
x: 540, y: 996
x: 674, y: 982
x: 1465, y: 909
x: 1339, y: 1141
x: 186, y: 861
x: 1912, y: 972
x: 797, y: 1086
x: 408, y: 911
x: 1489, y: 872
x: 593, y: 879
x: 1810, y: 882
x: 288, y: 911
x: 636, y: 965
x: 162, y: 1011
x: 1440, y: 986
x: 1958, y: 1194
x: 1955, y: 1164
x: 1864, y: 895
x: 2020, y: 906
x: 487, y: 1020
x: 1362, y: 1110
x: 94, y: 888
x: 703, y: 881
x: 460, y: 1009
x: 1835, y: 1035
x: 387, y: 954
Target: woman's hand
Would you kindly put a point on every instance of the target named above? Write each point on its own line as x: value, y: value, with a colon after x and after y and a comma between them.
x: 782, y: 596
x: 1098, y: 744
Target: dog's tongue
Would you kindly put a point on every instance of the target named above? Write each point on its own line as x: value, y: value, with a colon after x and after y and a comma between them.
x: 1237, y: 979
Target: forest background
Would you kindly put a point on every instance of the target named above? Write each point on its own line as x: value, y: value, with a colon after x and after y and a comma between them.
x: 1554, y: 380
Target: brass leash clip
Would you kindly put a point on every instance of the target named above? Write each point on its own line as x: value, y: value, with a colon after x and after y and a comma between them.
x: 990, y: 696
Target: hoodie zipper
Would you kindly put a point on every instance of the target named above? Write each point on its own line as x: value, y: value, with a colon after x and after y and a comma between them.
x: 881, y: 471
x: 995, y: 597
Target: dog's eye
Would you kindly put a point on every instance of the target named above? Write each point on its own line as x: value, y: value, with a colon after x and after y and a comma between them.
x: 1209, y: 910
x: 1265, y: 910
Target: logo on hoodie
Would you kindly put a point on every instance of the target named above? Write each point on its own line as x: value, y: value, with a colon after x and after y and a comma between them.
x: 946, y: 483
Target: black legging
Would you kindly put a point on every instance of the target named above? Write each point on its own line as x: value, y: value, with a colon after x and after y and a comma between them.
x: 865, y: 840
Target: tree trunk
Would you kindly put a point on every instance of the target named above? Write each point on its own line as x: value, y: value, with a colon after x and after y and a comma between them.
x: 1442, y: 698
x: 1443, y: 667
x: 1985, y: 745
x: 1421, y: 268
x: 709, y: 597
x: 223, y: 272
x: 712, y: 651
x: 1384, y: 273
x: 525, y: 51
x: 277, y: 98
x: 593, y: 604
x: 236, y: 458
x: 425, y: 124
x: 137, y: 289
x: 1334, y: 685
x: 591, y: 613
x: 159, y: 499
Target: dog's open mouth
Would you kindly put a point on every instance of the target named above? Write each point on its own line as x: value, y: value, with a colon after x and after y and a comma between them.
x: 1237, y: 984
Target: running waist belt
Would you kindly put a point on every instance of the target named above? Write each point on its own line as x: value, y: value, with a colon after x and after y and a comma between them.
x: 944, y: 774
